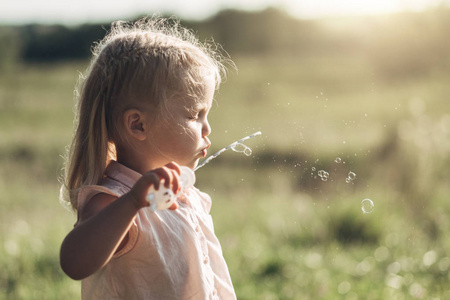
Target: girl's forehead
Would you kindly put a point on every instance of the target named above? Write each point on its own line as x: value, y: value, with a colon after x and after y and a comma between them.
x: 201, y: 99
x: 198, y: 104
x: 189, y: 103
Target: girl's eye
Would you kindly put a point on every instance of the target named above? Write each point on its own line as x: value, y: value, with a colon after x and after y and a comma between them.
x: 194, y: 116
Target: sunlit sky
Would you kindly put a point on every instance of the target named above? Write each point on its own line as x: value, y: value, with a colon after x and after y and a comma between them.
x: 82, y: 11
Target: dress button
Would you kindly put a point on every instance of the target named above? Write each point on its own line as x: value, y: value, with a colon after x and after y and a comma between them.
x: 197, y: 228
x: 215, y: 292
x: 206, y: 260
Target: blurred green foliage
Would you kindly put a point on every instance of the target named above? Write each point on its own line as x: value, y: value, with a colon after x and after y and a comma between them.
x: 372, y: 92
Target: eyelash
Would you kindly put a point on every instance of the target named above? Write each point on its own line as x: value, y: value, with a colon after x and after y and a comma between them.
x: 194, y: 116
x: 197, y: 114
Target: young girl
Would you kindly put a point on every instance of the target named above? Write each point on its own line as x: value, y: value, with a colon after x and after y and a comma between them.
x: 142, y: 113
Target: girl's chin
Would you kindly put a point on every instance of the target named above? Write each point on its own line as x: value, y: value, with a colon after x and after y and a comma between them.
x: 191, y: 164
x: 194, y: 164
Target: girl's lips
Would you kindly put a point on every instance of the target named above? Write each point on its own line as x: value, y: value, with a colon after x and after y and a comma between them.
x: 204, y: 151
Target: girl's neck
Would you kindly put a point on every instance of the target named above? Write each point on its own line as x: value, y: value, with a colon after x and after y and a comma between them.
x: 135, y: 161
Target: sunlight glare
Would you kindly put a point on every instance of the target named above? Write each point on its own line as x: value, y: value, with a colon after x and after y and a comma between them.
x: 326, y: 8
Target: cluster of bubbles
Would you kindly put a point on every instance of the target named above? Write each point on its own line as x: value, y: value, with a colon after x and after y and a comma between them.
x: 350, y: 177
x: 324, y: 175
x: 241, y: 148
x: 367, y: 205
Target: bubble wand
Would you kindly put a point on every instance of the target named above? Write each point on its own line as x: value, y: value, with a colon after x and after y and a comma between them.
x: 230, y: 146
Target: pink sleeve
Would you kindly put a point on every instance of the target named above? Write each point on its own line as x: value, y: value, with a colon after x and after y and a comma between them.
x: 85, y: 195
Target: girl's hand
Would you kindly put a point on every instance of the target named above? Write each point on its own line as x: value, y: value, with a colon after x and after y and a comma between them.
x: 169, y: 175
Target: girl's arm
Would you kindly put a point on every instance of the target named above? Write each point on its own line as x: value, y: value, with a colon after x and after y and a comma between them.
x: 104, y: 223
x: 102, y: 226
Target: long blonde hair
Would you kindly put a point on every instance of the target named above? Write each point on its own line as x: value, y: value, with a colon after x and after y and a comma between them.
x: 137, y: 65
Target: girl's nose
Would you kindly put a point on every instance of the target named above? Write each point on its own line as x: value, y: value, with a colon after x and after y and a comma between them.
x: 206, y: 130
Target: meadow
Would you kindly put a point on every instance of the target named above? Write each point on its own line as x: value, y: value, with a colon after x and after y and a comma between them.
x: 286, y: 232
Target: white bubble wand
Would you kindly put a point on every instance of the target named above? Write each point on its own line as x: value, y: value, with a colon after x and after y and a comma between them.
x: 246, y: 150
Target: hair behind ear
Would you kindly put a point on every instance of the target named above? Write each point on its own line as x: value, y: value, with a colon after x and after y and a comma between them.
x: 90, y: 150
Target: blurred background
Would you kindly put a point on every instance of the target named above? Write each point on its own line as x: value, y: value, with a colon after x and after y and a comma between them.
x: 352, y: 98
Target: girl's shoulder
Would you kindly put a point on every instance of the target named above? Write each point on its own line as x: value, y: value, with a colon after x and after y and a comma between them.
x: 107, y: 186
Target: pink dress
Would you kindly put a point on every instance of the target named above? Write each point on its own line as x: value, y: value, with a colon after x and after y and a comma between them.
x: 169, y: 254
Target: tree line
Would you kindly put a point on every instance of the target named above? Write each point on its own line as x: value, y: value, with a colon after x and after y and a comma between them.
x: 237, y: 31
x: 406, y: 43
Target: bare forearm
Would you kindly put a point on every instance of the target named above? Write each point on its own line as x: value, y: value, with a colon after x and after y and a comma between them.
x: 92, y: 243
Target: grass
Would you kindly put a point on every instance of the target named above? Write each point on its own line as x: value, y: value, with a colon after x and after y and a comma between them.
x: 286, y: 234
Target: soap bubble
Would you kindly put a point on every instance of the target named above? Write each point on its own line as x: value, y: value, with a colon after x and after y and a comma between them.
x: 238, y: 147
x: 351, y: 176
x: 313, y: 168
x: 248, y: 151
x: 241, y: 148
x: 367, y: 206
x: 338, y: 160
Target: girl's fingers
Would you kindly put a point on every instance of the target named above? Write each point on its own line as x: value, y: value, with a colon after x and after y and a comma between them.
x: 140, y: 189
x: 170, y: 175
x: 173, y: 165
x: 176, y: 171
x: 176, y: 186
x: 151, y: 178
x: 164, y: 175
x: 174, y: 206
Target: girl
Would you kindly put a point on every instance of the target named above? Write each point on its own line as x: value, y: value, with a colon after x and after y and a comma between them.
x: 142, y: 112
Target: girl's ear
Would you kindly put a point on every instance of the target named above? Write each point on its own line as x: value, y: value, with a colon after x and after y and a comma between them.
x: 135, y: 124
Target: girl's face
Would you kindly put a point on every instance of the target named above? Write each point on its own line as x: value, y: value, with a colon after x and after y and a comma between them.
x: 183, y: 136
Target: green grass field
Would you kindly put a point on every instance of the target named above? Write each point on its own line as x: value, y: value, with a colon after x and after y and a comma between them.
x: 286, y: 234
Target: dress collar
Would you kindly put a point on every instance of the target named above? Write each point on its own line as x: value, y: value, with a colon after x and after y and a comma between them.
x: 123, y: 174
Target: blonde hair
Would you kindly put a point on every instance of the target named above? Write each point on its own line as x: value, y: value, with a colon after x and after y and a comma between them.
x: 137, y: 65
